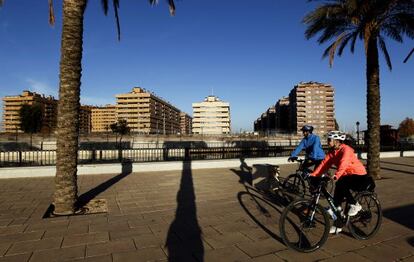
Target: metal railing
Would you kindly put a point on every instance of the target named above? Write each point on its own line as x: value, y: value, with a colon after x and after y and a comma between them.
x: 95, y: 156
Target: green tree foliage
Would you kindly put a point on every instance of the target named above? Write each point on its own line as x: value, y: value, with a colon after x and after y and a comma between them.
x: 345, y: 21
x: 31, y: 118
x: 406, y: 128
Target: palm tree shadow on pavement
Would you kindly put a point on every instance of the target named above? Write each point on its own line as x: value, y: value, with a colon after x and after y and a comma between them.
x: 86, y: 197
x: 184, y: 241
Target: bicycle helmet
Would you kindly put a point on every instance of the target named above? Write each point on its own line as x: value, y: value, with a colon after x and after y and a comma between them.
x: 307, y: 128
x: 337, y: 135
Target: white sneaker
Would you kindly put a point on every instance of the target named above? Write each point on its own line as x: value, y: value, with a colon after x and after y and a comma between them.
x: 335, y: 230
x: 354, y: 209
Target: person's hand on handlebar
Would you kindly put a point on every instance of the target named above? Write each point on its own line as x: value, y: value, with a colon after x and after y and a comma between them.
x: 292, y: 159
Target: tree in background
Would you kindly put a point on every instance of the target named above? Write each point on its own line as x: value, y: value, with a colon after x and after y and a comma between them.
x: 345, y: 21
x: 406, y: 128
x: 31, y: 118
x: 120, y: 128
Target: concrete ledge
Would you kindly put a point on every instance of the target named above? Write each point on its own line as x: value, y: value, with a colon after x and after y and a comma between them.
x: 49, y: 171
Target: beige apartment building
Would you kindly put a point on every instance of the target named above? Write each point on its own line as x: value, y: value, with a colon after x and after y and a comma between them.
x: 312, y: 103
x: 147, y: 113
x: 212, y: 116
x: 102, y: 118
x: 12, y: 105
x: 186, y: 123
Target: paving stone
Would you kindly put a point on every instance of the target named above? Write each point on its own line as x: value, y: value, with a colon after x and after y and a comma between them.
x: 146, y: 254
x: 34, y: 245
x: 14, y: 229
x: 341, y: 244
x: 265, y: 258
x: 106, y: 227
x: 66, y: 231
x: 131, y: 233
x: 405, y: 245
x: 4, y: 247
x: 225, y: 255
x: 408, y: 259
x: 381, y: 252
x: 228, y: 239
x: 291, y: 255
x: 18, y: 237
x: 107, y: 258
x: 83, y: 239
x: 346, y: 257
x: 110, y: 247
x: 147, y: 240
x: 260, y: 248
x: 16, y: 258
x: 61, y: 254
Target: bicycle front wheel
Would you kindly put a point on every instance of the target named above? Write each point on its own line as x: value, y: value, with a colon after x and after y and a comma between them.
x: 302, y: 227
x: 294, y: 185
x: 368, y: 221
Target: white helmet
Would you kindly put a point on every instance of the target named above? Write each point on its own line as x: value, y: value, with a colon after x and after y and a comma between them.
x: 337, y: 135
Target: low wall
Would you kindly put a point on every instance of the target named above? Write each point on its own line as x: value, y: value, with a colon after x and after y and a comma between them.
x: 48, y: 171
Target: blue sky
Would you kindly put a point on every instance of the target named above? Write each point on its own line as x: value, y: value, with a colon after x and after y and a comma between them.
x: 249, y: 53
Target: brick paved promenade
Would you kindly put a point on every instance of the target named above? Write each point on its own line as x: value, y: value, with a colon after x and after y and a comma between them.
x: 199, y: 215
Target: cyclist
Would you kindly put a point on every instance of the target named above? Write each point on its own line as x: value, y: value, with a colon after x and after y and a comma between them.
x: 313, y: 148
x: 350, y: 173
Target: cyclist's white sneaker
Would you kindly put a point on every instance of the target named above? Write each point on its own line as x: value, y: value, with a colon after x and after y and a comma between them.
x: 335, y: 230
x: 354, y: 209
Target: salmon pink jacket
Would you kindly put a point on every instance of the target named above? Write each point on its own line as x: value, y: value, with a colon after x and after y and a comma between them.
x: 344, y: 159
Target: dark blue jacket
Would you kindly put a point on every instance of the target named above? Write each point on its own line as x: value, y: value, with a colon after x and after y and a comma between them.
x: 312, y: 146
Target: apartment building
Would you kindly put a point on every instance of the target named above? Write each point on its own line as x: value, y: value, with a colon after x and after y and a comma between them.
x: 102, y: 118
x: 12, y: 105
x: 147, y: 113
x: 312, y: 103
x: 85, y: 119
x: 212, y: 116
x: 186, y: 123
x: 282, y: 114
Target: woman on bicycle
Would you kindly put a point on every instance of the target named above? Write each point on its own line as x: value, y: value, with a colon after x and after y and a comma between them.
x: 313, y: 148
x: 350, y: 174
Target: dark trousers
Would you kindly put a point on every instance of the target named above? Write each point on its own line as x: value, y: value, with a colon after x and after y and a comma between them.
x: 308, y: 163
x: 347, y: 183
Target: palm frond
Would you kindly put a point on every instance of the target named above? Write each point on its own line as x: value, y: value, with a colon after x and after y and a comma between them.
x: 118, y: 26
x: 171, y: 5
x: 345, y: 42
x: 331, y: 50
x: 384, y: 50
x: 51, y: 12
x: 408, y: 56
x: 1, y: 2
x: 105, y: 6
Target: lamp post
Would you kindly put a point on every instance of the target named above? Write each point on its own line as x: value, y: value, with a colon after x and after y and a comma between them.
x: 357, y: 124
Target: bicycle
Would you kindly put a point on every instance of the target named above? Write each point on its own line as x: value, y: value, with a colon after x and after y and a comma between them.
x: 304, y: 224
x: 296, y: 183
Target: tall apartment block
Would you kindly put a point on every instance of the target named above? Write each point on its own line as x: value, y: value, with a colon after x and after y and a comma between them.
x: 212, y: 116
x: 102, y: 118
x: 282, y: 114
x: 147, y: 113
x: 85, y: 119
x: 312, y: 103
x: 186, y: 123
x: 12, y: 105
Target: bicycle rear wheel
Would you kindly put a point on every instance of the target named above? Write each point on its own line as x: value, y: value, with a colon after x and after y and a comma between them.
x: 368, y: 221
x: 294, y: 185
x: 299, y: 230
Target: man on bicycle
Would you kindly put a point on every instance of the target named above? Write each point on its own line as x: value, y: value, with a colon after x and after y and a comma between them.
x: 312, y: 146
x: 350, y: 174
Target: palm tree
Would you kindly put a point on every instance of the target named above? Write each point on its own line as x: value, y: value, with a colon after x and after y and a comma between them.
x: 66, y: 192
x: 344, y: 21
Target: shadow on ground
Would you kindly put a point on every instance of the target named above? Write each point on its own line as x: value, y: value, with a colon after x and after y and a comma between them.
x: 402, y: 215
x: 184, y: 234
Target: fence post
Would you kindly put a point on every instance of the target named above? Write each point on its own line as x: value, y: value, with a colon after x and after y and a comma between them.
x: 20, y: 158
x: 401, y: 150
x: 187, y: 154
x: 165, y: 154
x: 93, y: 155
x: 120, y: 155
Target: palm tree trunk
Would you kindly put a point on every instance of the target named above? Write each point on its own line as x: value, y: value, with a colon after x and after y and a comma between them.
x: 373, y: 109
x: 68, y: 108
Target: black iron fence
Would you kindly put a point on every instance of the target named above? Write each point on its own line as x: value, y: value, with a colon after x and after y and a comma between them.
x: 95, y: 156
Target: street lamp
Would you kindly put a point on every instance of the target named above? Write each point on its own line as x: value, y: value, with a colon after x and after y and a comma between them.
x: 357, y: 124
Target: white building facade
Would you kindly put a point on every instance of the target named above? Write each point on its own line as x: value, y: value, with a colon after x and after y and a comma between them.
x: 211, y: 117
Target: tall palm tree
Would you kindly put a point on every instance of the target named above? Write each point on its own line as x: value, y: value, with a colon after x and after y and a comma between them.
x: 344, y: 21
x: 66, y: 193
